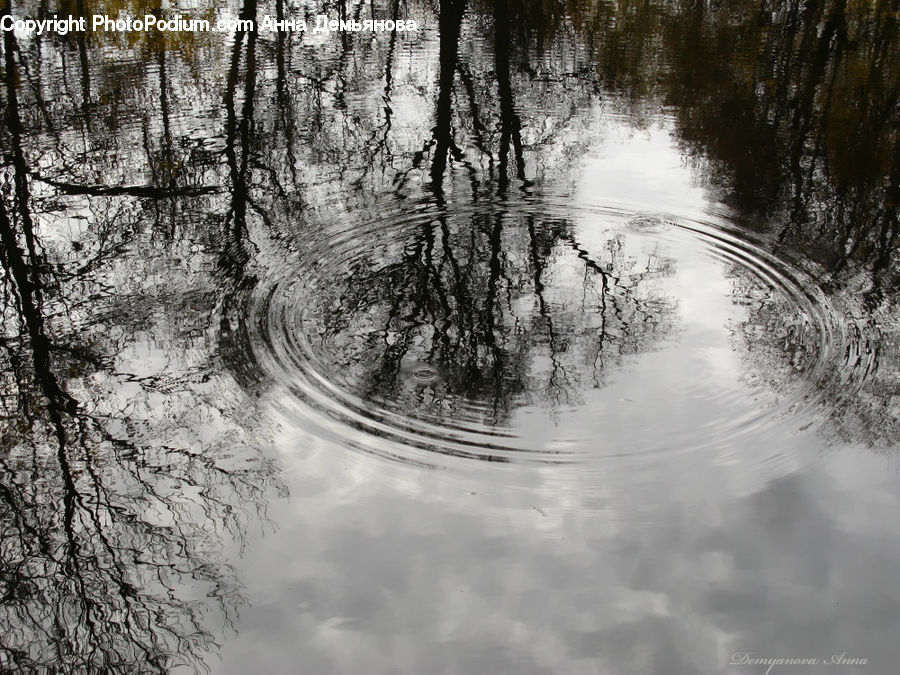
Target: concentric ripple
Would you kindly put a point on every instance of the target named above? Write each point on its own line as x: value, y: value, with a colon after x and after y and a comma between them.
x: 543, y: 332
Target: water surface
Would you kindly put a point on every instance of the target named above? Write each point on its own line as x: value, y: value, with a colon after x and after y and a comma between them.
x: 550, y: 337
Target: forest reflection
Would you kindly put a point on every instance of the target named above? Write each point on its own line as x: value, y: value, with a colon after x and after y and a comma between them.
x: 147, y: 191
x: 118, y: 487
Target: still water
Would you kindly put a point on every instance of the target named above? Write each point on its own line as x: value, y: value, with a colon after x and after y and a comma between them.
x: 552, y: 337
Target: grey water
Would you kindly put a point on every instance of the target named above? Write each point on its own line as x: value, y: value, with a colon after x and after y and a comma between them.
x: 550, y: 337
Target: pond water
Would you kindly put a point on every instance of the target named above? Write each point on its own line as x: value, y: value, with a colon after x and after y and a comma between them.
x: 550, y: 337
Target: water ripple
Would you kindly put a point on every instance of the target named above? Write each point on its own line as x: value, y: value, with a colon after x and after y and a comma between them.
x: 545, y: 332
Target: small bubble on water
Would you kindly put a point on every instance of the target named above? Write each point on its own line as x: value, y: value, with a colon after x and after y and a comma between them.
x: 425, y: 373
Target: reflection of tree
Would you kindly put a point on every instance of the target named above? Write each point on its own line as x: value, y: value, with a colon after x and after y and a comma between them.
x: 99, y: 533
x: 472, y: 306
x: 111, y: 516
x: 799, y: 119
x: 237, y: 283
x: 783, y: 348
x: 496, y: 309
x: 791, y: 110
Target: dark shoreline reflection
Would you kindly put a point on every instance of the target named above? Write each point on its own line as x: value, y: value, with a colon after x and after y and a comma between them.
x: 420, y: 214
